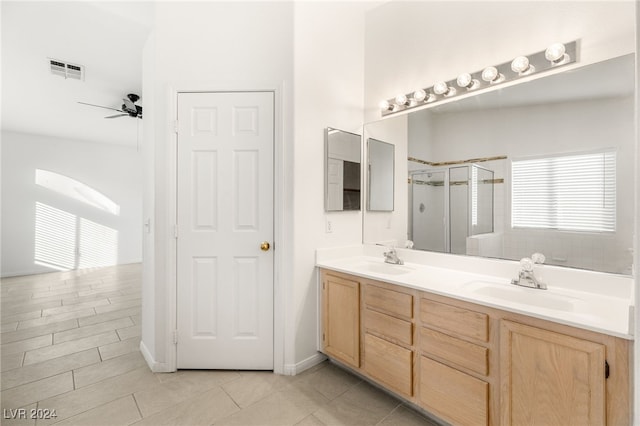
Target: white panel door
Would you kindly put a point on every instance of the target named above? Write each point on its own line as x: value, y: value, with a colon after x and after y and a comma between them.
x: 225, y: 213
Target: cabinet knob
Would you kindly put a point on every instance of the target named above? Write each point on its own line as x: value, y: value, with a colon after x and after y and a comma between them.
x: 265, y: 246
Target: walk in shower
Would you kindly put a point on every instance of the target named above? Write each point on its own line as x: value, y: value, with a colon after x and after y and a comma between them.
x: 448, y: 205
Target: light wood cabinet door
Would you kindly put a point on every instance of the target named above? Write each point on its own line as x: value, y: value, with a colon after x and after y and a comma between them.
x: 341, y: 308
x: 389, y: 363
x: 453, y: 395
x: 548, y: 378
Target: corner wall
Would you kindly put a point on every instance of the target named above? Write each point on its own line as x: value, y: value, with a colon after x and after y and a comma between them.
x: 329, y: 92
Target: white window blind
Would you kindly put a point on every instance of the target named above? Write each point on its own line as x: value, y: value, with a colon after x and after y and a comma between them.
x: 569, y: 192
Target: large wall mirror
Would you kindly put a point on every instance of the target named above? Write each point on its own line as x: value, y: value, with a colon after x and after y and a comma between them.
x: 342, y: 170
x: 542, y: 166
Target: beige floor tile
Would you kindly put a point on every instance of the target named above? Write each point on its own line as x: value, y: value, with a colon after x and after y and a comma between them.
x: 112, y: 350
x: 122, y: 411
x: 204, y: 409
x: 331, y: 381
x: 42, y: 330
x: 89, y: 320
x: 129, y: 332
x: 9, y: 326
x: 23, y: 316
x: 361, y: 405
x: 26, y: 344
x: 404, y: 416
x: 66, y: 348
x: 124, y: 298
x: 286, y: 407
x: 220, y: 377
x: 90, y: 330
x: 88, y: 298
x: 20, y: 416
x: 117, y: 306
x: 310, y: 420
x: 254, y: 386
x: 11, y: 361
x: 94, y: 373
x: 98, y: 394
x: 18, y: 308
x: 61, y: 293
x: 37, y: 391
x: 137, y: 319
x: 75, y: 307
x: 36, y: 322
x: 181, y: 388
x: 34, y: 372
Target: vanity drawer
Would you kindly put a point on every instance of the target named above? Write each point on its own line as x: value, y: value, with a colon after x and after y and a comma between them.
x: 392, y: 328
x: 464, y: 354
x: 453, y: 395
x: 457, y: 320
x: 389, y: 363
x: 393, y: 302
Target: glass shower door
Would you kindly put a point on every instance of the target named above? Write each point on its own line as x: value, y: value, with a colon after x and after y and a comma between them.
x: 429, y: 210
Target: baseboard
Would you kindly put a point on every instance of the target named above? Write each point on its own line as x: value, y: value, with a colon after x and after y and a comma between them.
x: 297, y: 368
x: 156, y: 367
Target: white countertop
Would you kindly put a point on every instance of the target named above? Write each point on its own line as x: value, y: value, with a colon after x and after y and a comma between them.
x: 606, y: 311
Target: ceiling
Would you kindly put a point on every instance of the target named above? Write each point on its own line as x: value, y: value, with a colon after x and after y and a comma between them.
x: 107, y: 38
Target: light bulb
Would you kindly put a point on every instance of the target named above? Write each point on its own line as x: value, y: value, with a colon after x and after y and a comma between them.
x: 440, y: 88
x: 555, y: 53
x: 385, y: 106
x: 466, y: 81
x: 521, y: 65
x: 419, y: 95
x: 491, y: 75
x: 401, y: 100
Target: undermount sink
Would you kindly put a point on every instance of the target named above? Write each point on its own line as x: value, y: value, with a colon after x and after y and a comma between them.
x: 384, y: 268
x: 521, y: 295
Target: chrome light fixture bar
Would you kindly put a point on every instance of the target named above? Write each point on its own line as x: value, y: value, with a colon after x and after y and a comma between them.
x: 556, y: 55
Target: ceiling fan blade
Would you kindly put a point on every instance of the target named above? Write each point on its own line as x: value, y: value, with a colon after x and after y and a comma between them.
x: 100, y: 106
x: 117, y: 115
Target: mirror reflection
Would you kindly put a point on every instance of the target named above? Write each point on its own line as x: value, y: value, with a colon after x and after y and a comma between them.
x: 342, y: 171
x: 381, y: 175
x: 542, y: 166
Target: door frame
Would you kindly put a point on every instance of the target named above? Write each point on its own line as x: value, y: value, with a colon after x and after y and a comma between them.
x: 278, y: 211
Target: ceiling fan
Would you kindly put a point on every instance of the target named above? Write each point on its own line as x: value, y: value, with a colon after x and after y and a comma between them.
x: 129, y: 107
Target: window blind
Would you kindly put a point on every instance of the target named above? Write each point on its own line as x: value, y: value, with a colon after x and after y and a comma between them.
x: 569, y: 192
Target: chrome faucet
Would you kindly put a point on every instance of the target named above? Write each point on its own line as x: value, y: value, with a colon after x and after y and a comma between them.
x: 526, y: 277
x: 391, y: 256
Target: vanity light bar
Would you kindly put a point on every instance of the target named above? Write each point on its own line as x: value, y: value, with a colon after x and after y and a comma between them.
x: 556, y: 55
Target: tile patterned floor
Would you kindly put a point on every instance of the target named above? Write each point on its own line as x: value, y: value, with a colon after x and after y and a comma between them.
x: 70, y: 341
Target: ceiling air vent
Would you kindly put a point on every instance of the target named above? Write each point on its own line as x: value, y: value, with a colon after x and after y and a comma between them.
x: 66, y: 70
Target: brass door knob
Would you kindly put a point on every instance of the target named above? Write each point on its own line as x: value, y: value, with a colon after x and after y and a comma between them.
x: 265, y: 246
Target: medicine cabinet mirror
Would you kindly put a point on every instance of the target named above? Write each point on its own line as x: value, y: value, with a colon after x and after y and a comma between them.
x: 499, y: 142
x: 342, y: 170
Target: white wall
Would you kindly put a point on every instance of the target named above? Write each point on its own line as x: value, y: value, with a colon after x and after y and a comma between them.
x: 328, y: 86
x: 113, y: 170
x: 204, y: 46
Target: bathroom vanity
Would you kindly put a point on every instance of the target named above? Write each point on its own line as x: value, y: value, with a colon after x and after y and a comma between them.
x: 472, y: 349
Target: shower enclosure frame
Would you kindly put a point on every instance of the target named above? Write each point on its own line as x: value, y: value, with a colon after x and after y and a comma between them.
x: 447, y: 200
